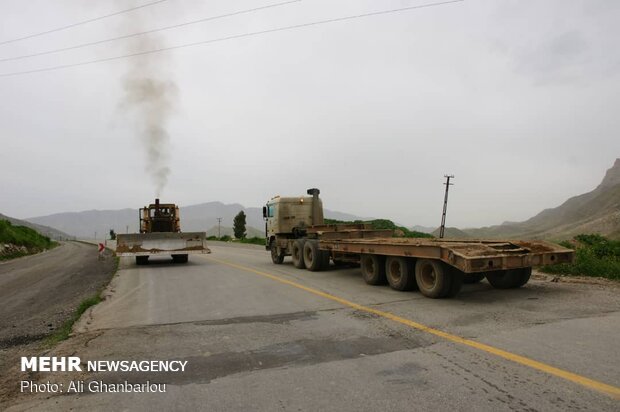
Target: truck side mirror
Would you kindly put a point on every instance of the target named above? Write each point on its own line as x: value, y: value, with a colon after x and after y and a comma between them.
x: 264, y: 211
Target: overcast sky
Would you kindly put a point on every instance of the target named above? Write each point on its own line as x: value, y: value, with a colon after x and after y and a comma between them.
x: 518, y: 99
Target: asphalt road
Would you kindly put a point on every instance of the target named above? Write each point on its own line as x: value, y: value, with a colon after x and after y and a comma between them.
x: 258, y: 336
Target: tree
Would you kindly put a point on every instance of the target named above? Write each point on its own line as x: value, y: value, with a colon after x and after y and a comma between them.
x: 239, y: 225
x: 112, y: 234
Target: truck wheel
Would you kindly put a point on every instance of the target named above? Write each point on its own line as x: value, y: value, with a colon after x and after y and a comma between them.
x: 276, y: 257
x: 510, y: 278
x: 142, y: 260
x: 524, y: 276
x: 473, y: 278
x: 297, y: 253
x: 314, y: 258
x: 399, y: 273
x: 434, y: 279
x: 180, y: 258
x: 325, y: 256
x: 456, y: 282
x: 373, y: 269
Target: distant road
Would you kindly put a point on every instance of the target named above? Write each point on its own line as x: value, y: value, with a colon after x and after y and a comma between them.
x: 259, y: 336
x: 38, y: 293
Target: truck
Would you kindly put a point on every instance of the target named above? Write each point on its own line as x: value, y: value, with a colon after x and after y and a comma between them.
x: 160, y: 234
x: 295, y: 226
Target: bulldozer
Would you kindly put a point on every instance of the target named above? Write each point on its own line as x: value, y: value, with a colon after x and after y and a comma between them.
x: 160, y: 234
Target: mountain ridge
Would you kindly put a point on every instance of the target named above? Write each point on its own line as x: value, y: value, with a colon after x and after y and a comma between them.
x: 597, y: 211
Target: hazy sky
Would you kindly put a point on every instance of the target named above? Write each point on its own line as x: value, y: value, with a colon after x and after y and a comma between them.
x: 518, y: 99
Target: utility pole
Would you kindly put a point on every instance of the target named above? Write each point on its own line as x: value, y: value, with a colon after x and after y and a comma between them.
x: 95, y: 235
x: 445, y: 205
x: 219, y: 221
x: 127, y: 229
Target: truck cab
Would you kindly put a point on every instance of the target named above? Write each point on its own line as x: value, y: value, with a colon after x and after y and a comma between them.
x: 289, y: 217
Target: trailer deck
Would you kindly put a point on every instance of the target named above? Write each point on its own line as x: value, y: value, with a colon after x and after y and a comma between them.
x: 468, y: 255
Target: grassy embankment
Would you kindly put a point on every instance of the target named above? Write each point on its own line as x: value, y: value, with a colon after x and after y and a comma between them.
x: 595, y: 255
x: 24, y: 241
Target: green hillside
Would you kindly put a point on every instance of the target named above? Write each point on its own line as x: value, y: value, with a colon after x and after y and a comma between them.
x: 18, y: 241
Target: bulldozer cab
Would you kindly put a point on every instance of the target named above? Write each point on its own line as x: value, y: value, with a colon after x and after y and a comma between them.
x: 286, y: 215
x: 159, y: 217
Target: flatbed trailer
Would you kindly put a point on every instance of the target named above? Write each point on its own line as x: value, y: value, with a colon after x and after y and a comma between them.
x: 467, y: 255
x: 437, y: 267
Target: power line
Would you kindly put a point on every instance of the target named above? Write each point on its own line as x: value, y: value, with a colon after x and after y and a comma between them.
x: 81, y: 22
x: 78, y: 46
x: 220, y: 39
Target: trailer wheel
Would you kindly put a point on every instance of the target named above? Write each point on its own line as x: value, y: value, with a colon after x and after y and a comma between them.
x: 435, y: 279
x: 524, y: 276
x: 180, y: 258
x: 456, y: 282
x: 276, y: 257
x: 142, y: 260
x: 313, y: 258
x: 297, y: 253
x: 510, y: 278
x: 325, y: 257
x: 473, y: 278
x: 399, y: 273
x: 373, y: 269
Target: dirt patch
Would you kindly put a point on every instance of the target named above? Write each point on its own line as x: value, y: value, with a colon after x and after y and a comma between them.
x: 586, y: 280
x: 40, y: 294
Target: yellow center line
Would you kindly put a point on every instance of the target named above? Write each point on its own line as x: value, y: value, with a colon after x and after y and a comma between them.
x: 610, y: 390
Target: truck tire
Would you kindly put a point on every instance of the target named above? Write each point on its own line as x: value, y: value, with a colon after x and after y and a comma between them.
x: 399, y: 272
x: 297, y: 253
x: 276, y: 257
x: 510, y: 278
x: 373, y: 269
x: 314, y: 260
x: 180, y: 258
x: 473, y: 278
x: 524, y: 276
x: 435, y: 279
x: 457, y: 278
x: 142, y: 260
x: 325, y: 257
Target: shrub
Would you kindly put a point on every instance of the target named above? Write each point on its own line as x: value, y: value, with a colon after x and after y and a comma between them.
x: 595, y: 255
x: 254, y: 240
